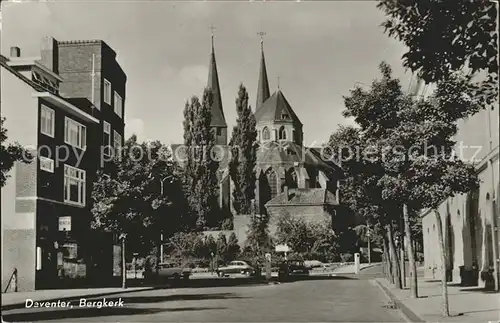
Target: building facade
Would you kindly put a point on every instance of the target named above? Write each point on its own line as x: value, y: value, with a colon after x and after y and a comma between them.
x: 469, y: 220
x: 67, y: 107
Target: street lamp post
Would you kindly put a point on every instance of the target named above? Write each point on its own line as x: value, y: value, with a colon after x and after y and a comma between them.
x: 369, y: 245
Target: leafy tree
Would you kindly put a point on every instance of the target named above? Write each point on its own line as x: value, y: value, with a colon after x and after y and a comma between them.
x: 361, y: 193
x: 233, y: 248
x: 414, y: 140
x: 9, y: 154
x: 222, y: 246
x: 258, y: 240
x: 200, y: 181
x: 445, y: 37
x: 128, y: 201
x: 307, y: 240
x: 243, y: 154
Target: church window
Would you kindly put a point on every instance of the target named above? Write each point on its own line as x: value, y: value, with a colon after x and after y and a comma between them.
x: 282, y: 133
x: 284, y: 116
x: 219, y: 131
x: 266, y: 135
x: 272, y: 179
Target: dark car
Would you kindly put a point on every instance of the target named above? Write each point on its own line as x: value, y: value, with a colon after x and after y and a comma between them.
x: 291, y: 268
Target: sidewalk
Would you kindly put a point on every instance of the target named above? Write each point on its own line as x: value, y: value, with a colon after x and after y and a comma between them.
x: 16, y: 300
x: 467, y: 304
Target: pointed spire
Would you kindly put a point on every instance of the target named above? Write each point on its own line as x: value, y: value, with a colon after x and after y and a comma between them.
x: 263, y: 86
x: 218, y: 119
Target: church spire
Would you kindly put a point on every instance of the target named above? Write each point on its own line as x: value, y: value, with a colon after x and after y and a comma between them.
x: 263, y: 86
x: 218, y: 119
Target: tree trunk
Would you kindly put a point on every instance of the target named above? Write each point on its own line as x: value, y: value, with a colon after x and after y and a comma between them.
x: 396, y: 269
x: 387, y: 260
x: 124, y: 266
x: 411, y: 255
x: 445, y: 305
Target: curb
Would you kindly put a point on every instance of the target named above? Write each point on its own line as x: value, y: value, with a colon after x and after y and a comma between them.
x: 17, y: 305
x: 407, y: 313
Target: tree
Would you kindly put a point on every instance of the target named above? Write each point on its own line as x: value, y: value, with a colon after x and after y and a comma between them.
x: 9, y: 154
x: 128, y: 201
x: 222, y: 246
x: 361, y: 193
x: 258, y: 240
x: 307, y: 240
x: 445, y: 37
x: 432, y: 172
x: 414, y: 140
x: 200, y: 179
x: 243, y: 154
x: 233, y: 248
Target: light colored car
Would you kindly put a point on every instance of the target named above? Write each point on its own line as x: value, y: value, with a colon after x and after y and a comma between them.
x: 172, y: 270
x: 236, y: 267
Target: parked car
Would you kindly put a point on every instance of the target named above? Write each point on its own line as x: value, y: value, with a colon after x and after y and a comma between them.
x: 292, y: 268
x: 169, y: 270
x: 236, y: 267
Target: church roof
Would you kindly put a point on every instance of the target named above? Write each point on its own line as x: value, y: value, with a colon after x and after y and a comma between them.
x: 289, y: 153
x: 218, y: 119
x: 304, y: 196
x: 263, y: 86
x: 274, y: 107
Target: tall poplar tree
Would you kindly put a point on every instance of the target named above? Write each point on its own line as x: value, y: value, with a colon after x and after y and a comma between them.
x: 201, y: 166
x: 243, y: 154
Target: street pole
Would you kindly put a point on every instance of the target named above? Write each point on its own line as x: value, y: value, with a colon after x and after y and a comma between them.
x: 369, y: 246
x: 161, y: 248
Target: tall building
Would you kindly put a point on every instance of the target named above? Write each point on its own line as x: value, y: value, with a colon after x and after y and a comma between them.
x: 67, y: 107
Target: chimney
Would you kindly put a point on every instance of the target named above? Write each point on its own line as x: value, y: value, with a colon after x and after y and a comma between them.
x: 50, y: 54
x: 15, y: 51
x: 287, y: 196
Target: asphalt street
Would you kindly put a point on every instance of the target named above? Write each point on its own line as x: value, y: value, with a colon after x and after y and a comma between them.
x: 330, y: 299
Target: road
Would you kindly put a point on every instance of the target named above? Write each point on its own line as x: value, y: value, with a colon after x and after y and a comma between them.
x: 335, y: 299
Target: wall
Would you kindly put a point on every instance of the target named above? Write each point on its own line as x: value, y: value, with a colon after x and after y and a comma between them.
x: 18, y: 217
x: 461, y: 215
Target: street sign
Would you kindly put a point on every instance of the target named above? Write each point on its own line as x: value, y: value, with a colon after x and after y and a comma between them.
x: 65, y: 223
x: 282, y: 248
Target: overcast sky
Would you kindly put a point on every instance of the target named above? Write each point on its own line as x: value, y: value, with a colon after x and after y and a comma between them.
x: 318, y: 49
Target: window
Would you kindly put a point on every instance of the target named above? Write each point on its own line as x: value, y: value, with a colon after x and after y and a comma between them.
x: 284, y: 116
x: 75, y: 134
x: 118, y: 105
x: 46, y: 164
x: 219, y: 131
x: 107, y: 91
x: 47, y: 120
x: 117, y: 140
x: 282, y: 133
x: 74, y: 185
x: 266, y: 135
x: 272, y: 180
x: 106, y: 138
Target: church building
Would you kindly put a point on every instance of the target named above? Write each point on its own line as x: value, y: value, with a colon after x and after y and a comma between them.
x: 291, y: 178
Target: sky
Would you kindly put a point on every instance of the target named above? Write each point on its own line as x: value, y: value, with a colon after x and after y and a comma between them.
x: 319, y: 50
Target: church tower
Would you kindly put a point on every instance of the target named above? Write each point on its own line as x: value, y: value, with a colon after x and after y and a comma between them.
x: 263, y: 86
x: 276, y: 120
x: 218, y: 120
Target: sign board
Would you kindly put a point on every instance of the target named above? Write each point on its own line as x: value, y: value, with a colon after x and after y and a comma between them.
x: 65, y: 223
x: 282, y: 248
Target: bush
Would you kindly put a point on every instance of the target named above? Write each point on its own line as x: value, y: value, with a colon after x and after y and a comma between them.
x: 227, y: 224
x: 347, y: 257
